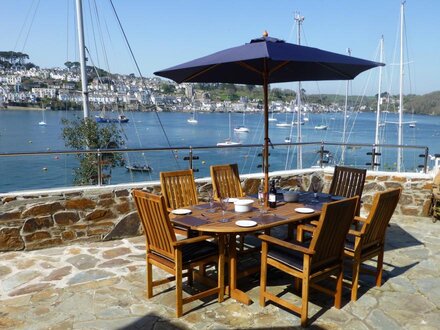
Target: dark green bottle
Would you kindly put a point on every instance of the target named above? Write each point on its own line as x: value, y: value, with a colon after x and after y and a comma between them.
x: 272, y: 195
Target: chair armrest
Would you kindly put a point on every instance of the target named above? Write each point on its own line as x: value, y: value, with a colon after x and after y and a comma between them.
x: 308, y: 227
x: 287, y: 245
x: 354, y: 233
x: 191, y: 240
x: 360, y: 219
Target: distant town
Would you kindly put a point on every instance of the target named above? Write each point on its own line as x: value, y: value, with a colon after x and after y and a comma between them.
x: 25, y: 85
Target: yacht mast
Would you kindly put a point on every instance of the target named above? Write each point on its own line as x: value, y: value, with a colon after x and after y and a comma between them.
x: 399, y: 130
x: 299, y: 20
x: 82, y: 56
x: 344, y: 128
x: 376, y: 136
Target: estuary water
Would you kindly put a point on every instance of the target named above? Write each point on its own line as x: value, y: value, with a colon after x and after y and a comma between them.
x: 20, y: 132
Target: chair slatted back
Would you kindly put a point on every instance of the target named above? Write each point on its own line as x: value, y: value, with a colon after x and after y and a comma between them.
x: 348, y: 182
x: 374, y: 229
x: 226, y: 181
x: 178, y: 188
x: 157, y: 226
x: 331, y: 231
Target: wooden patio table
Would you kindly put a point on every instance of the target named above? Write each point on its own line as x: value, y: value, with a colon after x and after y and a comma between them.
x: 202, y: 220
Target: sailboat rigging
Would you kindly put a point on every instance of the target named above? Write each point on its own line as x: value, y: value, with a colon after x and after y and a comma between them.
x: 272, y: 118
x: 43, y: 121
x: 228, y: 141
x: 242, y: 128
x: 193, y: 119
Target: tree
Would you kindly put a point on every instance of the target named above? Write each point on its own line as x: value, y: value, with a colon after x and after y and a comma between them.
x: 82, y: 134
x: 168, y: 88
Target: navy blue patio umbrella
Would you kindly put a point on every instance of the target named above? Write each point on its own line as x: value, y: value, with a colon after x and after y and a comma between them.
x: 264, y: 61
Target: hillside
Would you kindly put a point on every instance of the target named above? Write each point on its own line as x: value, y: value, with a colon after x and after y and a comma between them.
x: 428, y: 104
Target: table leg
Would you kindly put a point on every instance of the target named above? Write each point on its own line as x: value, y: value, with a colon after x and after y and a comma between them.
x: 235, y: 293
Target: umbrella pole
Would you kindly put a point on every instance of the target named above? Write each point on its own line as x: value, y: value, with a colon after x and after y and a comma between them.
x: 266, y: 137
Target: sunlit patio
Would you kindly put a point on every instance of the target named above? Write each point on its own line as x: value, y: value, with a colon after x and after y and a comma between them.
x: 102, y: 286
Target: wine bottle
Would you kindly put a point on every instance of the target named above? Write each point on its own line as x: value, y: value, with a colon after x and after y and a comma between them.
x: 272, y: 195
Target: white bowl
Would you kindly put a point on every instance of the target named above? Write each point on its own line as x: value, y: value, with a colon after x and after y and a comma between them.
x: 243, y: 205
x: 290, y: 196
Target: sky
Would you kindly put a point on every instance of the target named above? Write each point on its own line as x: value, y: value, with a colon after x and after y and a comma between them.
x: 164, y: 33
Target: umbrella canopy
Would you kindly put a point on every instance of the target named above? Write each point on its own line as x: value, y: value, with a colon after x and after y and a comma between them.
x: 268, y: 60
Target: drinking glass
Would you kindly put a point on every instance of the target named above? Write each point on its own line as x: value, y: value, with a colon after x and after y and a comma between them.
x: 315, y: 187
x: 211, y: 201
x: 224, y: 206
x: 261, y: 203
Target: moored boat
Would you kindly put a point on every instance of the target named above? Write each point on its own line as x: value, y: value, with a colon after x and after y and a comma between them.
x: 104, y: 119
x: 138, y: 168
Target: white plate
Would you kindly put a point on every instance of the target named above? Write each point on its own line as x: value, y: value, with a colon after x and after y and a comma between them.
x: 181, y: 211
x: 232, y: 200
x: 304, y: 210
x: 245, y: 223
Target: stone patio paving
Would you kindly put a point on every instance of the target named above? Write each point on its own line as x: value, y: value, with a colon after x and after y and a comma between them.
x: 102, y: 285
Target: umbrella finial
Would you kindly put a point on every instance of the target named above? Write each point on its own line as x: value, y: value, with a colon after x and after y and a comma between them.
x: 265, y: 34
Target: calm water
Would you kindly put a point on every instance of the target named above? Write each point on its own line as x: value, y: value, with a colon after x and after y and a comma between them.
x: 20, y: 132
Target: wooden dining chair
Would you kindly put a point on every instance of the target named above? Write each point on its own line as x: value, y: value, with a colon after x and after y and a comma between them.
x: 174, y: 256
x: 179, y: 190
x: 369, y: 241
x: 348, y: 182
x: 226, y: 181
x: 310, y: 263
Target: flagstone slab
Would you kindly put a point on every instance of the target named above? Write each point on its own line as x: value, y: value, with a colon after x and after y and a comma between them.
x: 90, y: 276
x: 18, y: 279
x: 83, y: 261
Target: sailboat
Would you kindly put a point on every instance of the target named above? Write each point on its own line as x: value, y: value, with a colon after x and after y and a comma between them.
x: 242, y: 128
x: 272, y: 118
x: 228, y: 141
x: 321, y: 127
x: 43, y: 122
x: 104, y: 118
x: 285, y: 124
x: 193, y: 119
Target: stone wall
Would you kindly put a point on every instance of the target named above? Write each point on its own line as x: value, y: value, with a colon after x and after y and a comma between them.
x: 41, y: 220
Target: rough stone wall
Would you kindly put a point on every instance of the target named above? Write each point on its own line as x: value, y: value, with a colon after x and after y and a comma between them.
x: 54, y: 219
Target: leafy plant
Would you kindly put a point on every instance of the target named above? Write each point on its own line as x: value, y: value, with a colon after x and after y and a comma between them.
x: 86, y: 134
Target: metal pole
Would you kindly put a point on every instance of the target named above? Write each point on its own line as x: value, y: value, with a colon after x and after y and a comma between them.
x: 376, y: 136
x: 399, y: 131
x: 99, y: 161
x: 82, y: 57
x: 299, y: 19
x: 344, y: 129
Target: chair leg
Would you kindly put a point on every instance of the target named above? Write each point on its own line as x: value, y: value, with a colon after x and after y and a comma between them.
x: 221, y: 269
x: 179, y: 287
x: 299, y: 233
x: 304, y: 301
x: 379, y: 270
x: 297, y: 284
x: 355, y: 280
x: 149, y: 278
x: 290, y: 230
x: 190, y: 276
x: 263, y: 274
x: 338, y: 291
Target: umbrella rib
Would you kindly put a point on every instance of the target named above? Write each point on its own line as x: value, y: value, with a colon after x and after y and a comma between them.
x: 279, y: 66
x: 190, y: 78
x: 337, y: 71
x: 249, y: 67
